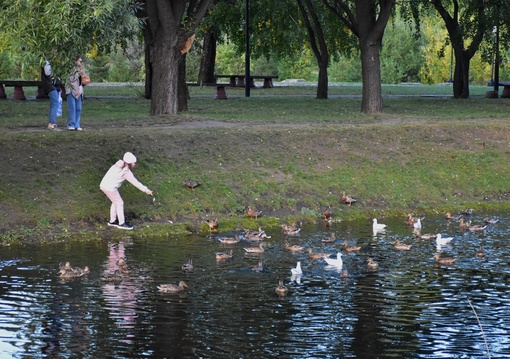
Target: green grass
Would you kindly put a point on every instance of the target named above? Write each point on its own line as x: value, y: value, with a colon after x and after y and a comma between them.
x: 289, y: 155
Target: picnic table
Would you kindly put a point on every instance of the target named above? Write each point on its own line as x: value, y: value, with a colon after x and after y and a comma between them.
x: 18, y: 85
x: 238, y: 80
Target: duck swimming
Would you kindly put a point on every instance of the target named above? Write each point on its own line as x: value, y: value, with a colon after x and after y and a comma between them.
x: 401, y: 246
x: 281, y: 290
x: 444, y: 260
x: 172, y: 288
x: 224, y: 255
x: 371, y: 264
x: 259, y: 249
x: 377, y: 226
x: 349, y: 248
x: 335, y: 262
x: 297, y: 270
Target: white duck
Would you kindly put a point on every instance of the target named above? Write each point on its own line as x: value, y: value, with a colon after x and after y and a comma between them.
x: 417, y: 224
x: 335, y: 262
x: 297, y: 270
x: 378, y: 226
x: 442, y: 241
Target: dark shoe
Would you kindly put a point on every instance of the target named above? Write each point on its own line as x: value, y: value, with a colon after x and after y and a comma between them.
x: 114, y: 223
x: 125, y: 226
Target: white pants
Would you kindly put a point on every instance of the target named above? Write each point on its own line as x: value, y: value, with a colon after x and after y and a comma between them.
x: 117, y: 207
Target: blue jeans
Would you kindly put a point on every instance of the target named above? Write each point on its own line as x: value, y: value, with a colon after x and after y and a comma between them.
x: 74, y: 111
x: 52, y: 116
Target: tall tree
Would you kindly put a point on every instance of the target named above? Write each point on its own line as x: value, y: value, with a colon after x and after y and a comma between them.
x: 367, y: 19
x: 170, y: 24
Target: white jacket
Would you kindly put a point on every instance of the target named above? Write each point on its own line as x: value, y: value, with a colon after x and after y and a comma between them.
x: 117, y: 174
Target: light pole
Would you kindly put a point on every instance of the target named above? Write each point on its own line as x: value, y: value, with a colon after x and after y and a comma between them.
x: 247, y: 82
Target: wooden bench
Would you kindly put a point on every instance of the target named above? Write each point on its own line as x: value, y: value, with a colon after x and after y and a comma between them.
x: 238, y: 80
x: 18, y: 85
x: 506, y: 89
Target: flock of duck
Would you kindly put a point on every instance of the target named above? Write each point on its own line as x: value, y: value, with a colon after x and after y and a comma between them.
x: 66, y: 271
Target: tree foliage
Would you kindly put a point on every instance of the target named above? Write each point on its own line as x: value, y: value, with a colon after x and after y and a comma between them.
x: 60, y: 30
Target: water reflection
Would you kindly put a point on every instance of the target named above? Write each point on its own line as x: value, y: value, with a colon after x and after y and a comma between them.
x: 408, y: 307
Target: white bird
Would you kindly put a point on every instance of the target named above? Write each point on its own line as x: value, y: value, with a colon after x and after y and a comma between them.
x: 417, y: 224
x: 335, y: 262
x: 297, y: 270
x: 440, y: 241
x: 377, y: 226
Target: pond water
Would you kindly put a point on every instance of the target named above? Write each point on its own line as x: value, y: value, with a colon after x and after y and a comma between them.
x: 410, y: 307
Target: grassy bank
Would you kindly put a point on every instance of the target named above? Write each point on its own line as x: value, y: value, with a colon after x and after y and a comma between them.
x: 288, y: 155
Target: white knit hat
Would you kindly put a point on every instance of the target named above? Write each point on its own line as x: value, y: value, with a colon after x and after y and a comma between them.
x: 129, y: 157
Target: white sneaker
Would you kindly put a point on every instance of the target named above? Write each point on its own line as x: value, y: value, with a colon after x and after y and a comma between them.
x: 79, y: 129
x: 71, y: 128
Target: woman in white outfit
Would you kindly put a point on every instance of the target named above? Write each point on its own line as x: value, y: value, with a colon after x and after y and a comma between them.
x: 112, y: 180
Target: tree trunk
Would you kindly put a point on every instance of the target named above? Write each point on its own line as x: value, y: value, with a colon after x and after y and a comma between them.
x: 371, y: 76
x: 165, y: 70
x: 183, y: 93
x: 322, y: 83
x: 461, y: 75
x: 208, y: 60
x: 147, y: 37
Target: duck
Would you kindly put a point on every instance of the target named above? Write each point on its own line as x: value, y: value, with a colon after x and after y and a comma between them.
x: 65, y: 265
x: 115, y: 277
x: 467, y: 212
x: 213, y: 225
x: 259, y: 235
x: 172, y: 288
x: 441, y: 241
x: 259, y: 267
x: 259, y: 249
x: 410, y: 219
x: 187, y: 267
x: 345, y: 274
x: 464, y: 224
x: 330, y: 239
x: 401, y: 246
x: 444, y: 260
x: 293, y: 248
x: 480, y: 253
x: 450, y: 216
x: 224, y: 255
x: 312, y: 255
x: 417, y: 223
x: 371, y: 264
x: 81, y: 272
x: 229, y: 240
x: 477, y: 227
x: 347, y: 199
x: 123, y: 267
x: 349, y: 248
x: 335, y: 262
x: 327, y: 215
x: 252, y: 213
x: 377, y: 226
x: 425, y: 235
x: 297, y: 270
x: 290, y: 230
x: 67, y: 274
x: 488, y: 220
x: 191, y: 184
x: 281, y: 290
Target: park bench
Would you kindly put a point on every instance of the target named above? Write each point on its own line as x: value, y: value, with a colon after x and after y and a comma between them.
x: 238, y: 80
x: 506, y: 89
x: 18, y: 85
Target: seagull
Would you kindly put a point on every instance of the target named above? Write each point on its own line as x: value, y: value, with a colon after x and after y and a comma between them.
x: 378, y: 226
x: 440, y: 241
x: 335, y: 262
x: 417, y: 224
x: 297, y: 270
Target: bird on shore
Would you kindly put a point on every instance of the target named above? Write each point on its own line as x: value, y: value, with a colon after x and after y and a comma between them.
x: 401, y: 246
x: 327, y: 215
x: 347, y: 199
x: 444, y: 260
x: 297, y: 270
x: 336, y: 262
x: 281, y: 290
x: 191, y: 184
x: 213, y: 225
x: 172, y: 288
x: 252, y: 213
x: 350, y: 249
x: 377, y: 226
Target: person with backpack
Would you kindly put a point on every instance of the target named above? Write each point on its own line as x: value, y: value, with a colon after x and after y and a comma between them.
x: 51, y: 87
